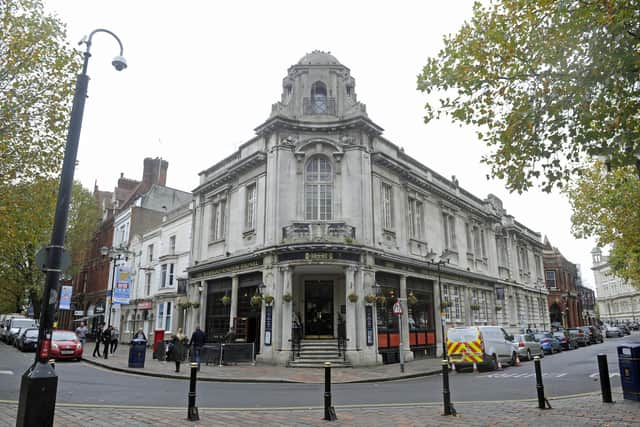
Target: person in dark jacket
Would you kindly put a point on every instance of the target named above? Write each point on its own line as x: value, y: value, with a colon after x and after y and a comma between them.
x: 106, y: 340
x: 178, y: 348
x: 96, y: 349
x: 197, y: 341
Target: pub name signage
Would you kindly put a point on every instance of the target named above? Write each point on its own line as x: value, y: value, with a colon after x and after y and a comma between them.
x: 229, y: 268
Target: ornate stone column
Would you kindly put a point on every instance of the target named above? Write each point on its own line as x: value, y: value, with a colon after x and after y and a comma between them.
x: 287, y: 277
x: 408, y: 354
x: 350, y: 287
x: 234, y: 300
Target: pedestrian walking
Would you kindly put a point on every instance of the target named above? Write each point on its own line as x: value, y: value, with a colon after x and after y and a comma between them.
x: 177, y: 348
x: 196, y: 343
x: 106, y: 340
x: 96, y: 349
x: 81, y: 332
x: 115, y: 337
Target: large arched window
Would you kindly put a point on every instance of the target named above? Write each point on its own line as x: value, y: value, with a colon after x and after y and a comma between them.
x: 319, y: 98
x: 318, y: 189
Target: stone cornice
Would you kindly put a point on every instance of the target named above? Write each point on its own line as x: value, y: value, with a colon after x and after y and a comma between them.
x: 281, y: 122
x: 229, y: 172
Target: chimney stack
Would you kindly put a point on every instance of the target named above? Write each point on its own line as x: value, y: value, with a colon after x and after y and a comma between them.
x: 155, y: 172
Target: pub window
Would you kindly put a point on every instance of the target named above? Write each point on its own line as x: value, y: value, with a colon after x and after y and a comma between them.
x: 250, y: 207
x: 387, y: 206
x: 415, y: 218
x: 217, y: 220
x: 318, y: 189
x: 550, y: 278
x: 449, y: 226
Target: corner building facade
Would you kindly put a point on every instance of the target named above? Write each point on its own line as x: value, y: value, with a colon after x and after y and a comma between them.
x: 326, y: 216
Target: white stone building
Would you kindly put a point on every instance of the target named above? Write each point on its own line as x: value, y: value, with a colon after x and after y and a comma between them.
x: 322, y: 213
x: 618, y: 301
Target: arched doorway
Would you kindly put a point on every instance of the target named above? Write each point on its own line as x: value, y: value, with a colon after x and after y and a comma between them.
x: 555, y: 314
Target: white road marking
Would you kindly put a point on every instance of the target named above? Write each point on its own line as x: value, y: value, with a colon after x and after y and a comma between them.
x: 6, y: 372
x: 611, y: 375
x: 525, y: 375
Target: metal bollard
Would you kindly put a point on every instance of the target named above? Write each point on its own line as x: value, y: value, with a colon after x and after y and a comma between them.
x: 543, y: 403
x: 192, y: 411
x: 329, y: 411
x: 605, y: 383
x: 446, y: 393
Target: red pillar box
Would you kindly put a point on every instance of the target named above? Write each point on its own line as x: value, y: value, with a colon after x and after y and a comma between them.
x: 158, y: 336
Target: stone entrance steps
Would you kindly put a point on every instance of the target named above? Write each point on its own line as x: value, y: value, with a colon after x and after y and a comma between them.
x: 315, y: 352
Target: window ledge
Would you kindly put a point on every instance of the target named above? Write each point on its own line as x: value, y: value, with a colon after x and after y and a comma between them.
x: 215, y: 242
x: 249, y: 233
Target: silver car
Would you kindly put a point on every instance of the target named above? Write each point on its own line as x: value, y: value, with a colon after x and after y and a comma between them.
x: 527, y: 346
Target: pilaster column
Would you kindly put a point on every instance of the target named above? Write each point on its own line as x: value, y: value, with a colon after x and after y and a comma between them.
x: 406, y: 348
x: 202, y: 310
x: 350, y: 287
x: 234, y: 300
x: 287, y: 277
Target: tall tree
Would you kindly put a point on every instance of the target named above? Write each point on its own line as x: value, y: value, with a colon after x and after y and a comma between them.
x: 606, y: 205
x: 37, y: 74
x: 548, y: 83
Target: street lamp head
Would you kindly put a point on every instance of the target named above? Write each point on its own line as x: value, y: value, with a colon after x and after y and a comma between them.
x: 119, y: 62
x: 104, y: 251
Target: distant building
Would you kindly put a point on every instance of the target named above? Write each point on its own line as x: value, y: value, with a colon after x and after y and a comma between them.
x: 565, y: 306
x: 322, y: 213
x: 587, y: 300
x: 618, y: 301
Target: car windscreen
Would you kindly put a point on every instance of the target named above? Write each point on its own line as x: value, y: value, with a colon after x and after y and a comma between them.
x: 462, y: 335
x: 541, y: 336
x: 23, y: 323
x: 63, y: 336
x: 31, y: 333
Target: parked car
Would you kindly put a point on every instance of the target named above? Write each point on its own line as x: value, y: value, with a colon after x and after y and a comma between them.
x: 567, y: 341
x: 65, y: 345
x: 594, y: 334
x: 527, y: 346
x: 489, y: 344
x: 5, y: 319
x: 613, y: 331
x: 625, y: 329
x: 16, y: 324
x: 27, y: 340
x: 582, y: 339
x: 548, y: 342
x: 634, y: 326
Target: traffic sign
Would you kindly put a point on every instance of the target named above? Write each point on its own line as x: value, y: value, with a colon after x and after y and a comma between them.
x: 397, y: 308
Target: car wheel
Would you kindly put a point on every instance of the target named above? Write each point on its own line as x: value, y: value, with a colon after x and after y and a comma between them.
x: 529, y: 355
x: 494, y: 362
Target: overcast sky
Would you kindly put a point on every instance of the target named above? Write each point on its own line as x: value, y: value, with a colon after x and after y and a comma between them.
x: 202, y: 75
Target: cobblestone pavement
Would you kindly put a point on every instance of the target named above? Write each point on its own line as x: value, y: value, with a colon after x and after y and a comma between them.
x: 585, y: 410
x: 263, y: 372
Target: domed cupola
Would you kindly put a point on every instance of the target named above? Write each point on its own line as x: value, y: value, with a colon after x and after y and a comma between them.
x: 318, y: 89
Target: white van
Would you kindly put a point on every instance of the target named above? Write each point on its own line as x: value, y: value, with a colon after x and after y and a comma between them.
x: 17, y: 323
x: 5, y: 319
x: 482, y: 345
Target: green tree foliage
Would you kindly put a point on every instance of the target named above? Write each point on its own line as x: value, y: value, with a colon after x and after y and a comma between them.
x: 547, y: 83
x: 607, y: 205
x: 37, y: 75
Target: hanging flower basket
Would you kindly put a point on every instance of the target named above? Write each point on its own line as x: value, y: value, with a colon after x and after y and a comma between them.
x: 256, y: 300
x: 381, y: 299
x: 184, y: 305
x: 498, y: 307
x: 371, y: 298
x: 475, y: 307
x: 353, y: 297
x: 446, y: 304
x: 268, y: 299
x: 195, y: 304
x: 225, y: 300
x: 287, y: 297
x: 412, y: 299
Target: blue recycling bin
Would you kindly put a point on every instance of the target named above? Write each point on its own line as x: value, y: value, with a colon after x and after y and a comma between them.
x: 629, y: 363
x: 137, y: 352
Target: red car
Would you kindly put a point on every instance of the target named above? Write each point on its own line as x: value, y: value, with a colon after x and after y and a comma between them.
x: 65, y: 345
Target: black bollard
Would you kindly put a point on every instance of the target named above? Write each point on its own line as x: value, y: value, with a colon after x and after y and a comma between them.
x: 192, y: 411
x: 543, y: 403
x: 446, y: 393
x: 329, y: 411
x: 605, y: 383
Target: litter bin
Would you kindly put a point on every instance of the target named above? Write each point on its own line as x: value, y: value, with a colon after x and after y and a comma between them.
x: 137, y: 352
x: 629, y: 363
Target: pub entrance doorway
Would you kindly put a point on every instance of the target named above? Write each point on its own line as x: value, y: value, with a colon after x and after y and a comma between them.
x: 318, y: 308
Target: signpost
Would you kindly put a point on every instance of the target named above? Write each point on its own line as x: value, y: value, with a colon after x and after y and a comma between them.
x: 397, y: 310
